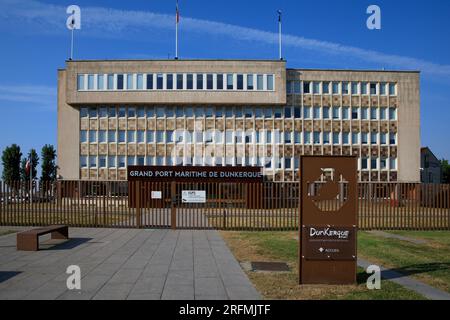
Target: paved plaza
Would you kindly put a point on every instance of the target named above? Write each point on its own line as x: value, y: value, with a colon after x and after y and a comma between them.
x: 125, y: 264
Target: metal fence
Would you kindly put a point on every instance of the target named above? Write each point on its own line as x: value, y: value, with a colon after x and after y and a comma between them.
x: 230, y: 206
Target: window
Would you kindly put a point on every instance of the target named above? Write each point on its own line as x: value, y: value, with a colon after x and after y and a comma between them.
x: 250, y: 82
x: 198, y: 136
x: 103, y: 112
x: 111, y: 136
x: 278, y: 112
x: 392, y: 89
x: 355, y: 113
x: 150, y: 136
x: 268, y: 164
x: 159, y: 161
x: 209, y: 112
x: 150, y: 111
x: 150, y: 161
x: 364, y: 163
x: 170, y: 112
x: 131, y: 112
x: 336, y: 137
x: 316, y: 112
x: 199, y: 112
x: 364, y: 88
x: 306, y: 87
x: 90, y: 82
x: 364, y: 138
x: 345, y: 111
x: 160, y: 112
x: 110, y: 82
x: 219, y: 82
x: 92, y: 162
x: 288, y: 112
x: 102, y: 136
x: 326, y: 88
x: 140, y: 136
x: 355, y: 90
x: 345, y: 88
x: 92, y: 112
x: 179, y: 80
x: 150, y: 81
x: 373, y: 163
x: 83, y: 162
x: 393, y: 163
x: 258, y: 137
x: 373, y: 113
x: 326, y: 137
x: 287, y: 137
x: 209, y: 81
x: 297, y: 112
x: 382, y: 113
x: 169, y: 136
x: 159, y: 136
x: 355, y: 137
x: 270, y: 84
x: 238, y: 137
x: 392, y: 113
x: 228, y: 136
x: 364, y: 113
x: 383, y: 163
x: 159, y: 81
x: 190, y: 81
x: 382, y: 138
x: 199, y: 81
x: 335, y: 112
x: 131, y: 160
x: 83, y: 112
x: 140, y: 81
x: 121, y: 136
x: 131, y: 136
x: 218, y: 111
x: 287, y: 163
x: 141, y: 112
x: 326, y: 112
x: 306, y: 112
x: 268, y: 112
x: 140, y: 161
x: 111, y: 162
x: 373, y: 88
x: 102, y: 162
x: 80, y: 82
x: 92, y: 136
x: 297, y: 137
x: 121, y: 162
x: 259, y: 82
x: 373, y: 138
x: 297, y: 86
x: 307, y: 137
x: 120, y: 82
x: 229, y: 82
x: 335, y: 87
x: 83, y: 136
x: 169, y: 82
x: 316, y: 137
x: 383, y: 88
x: 392, y: 138
x: 345, y: 137
x: 240, y: 81
x: 130, y: 82
x: 218, y: 137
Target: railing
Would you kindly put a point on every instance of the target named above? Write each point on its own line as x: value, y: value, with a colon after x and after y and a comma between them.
x: 231, y: 206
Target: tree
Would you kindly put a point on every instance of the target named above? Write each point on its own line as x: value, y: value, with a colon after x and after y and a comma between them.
x: 24, y: 175
x: 48, y: 156
x: 445, y: 171
x: 11, y: 164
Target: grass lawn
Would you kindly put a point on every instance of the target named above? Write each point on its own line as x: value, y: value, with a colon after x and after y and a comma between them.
x: 283, y: 246
x: 428, y: 262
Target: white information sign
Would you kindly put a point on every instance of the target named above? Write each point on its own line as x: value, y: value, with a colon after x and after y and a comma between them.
x: 156, y: 195
x: 193, y: 196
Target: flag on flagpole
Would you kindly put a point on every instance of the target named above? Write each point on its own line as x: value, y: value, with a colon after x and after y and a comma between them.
x: 177, y: 14
x: 28, y: 166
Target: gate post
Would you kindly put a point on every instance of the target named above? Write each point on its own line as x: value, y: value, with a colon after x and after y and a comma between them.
x: 173, y: 210
x: 137, y: 186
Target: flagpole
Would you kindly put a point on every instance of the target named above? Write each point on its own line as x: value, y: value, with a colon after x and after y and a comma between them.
x: 71, y: 45
x: 176, y: 33
x: 279, y: 34
x: 31, y: 179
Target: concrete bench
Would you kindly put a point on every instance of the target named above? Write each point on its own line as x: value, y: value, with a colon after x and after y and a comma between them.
x: 29, y: 240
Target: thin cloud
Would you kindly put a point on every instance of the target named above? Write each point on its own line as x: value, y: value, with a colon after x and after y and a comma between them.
x: 106, y: 23
x: 34, y: 96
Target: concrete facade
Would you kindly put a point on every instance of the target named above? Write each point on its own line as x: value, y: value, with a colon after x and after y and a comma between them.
x: 266, y: 126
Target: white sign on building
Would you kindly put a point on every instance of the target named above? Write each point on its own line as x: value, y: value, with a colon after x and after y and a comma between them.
x: 193, y: 196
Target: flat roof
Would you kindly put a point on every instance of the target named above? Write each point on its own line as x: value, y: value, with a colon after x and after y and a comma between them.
x: 352, y: 70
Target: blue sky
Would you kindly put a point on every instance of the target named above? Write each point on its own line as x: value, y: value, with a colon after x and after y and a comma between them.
x: 325, y: 34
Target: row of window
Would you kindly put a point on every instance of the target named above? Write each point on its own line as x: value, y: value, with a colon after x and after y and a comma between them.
x: 382, y: 163
x: 175, y: 81
x: 344, y: 113
x: 345, y: 88
x: 237, y: 137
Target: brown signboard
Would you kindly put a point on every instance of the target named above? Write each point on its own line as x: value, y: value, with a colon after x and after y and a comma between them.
x: 328, y: 220
x: 195, y: 174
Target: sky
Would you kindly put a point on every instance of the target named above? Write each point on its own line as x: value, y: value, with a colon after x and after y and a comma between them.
x: 316, y: 34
